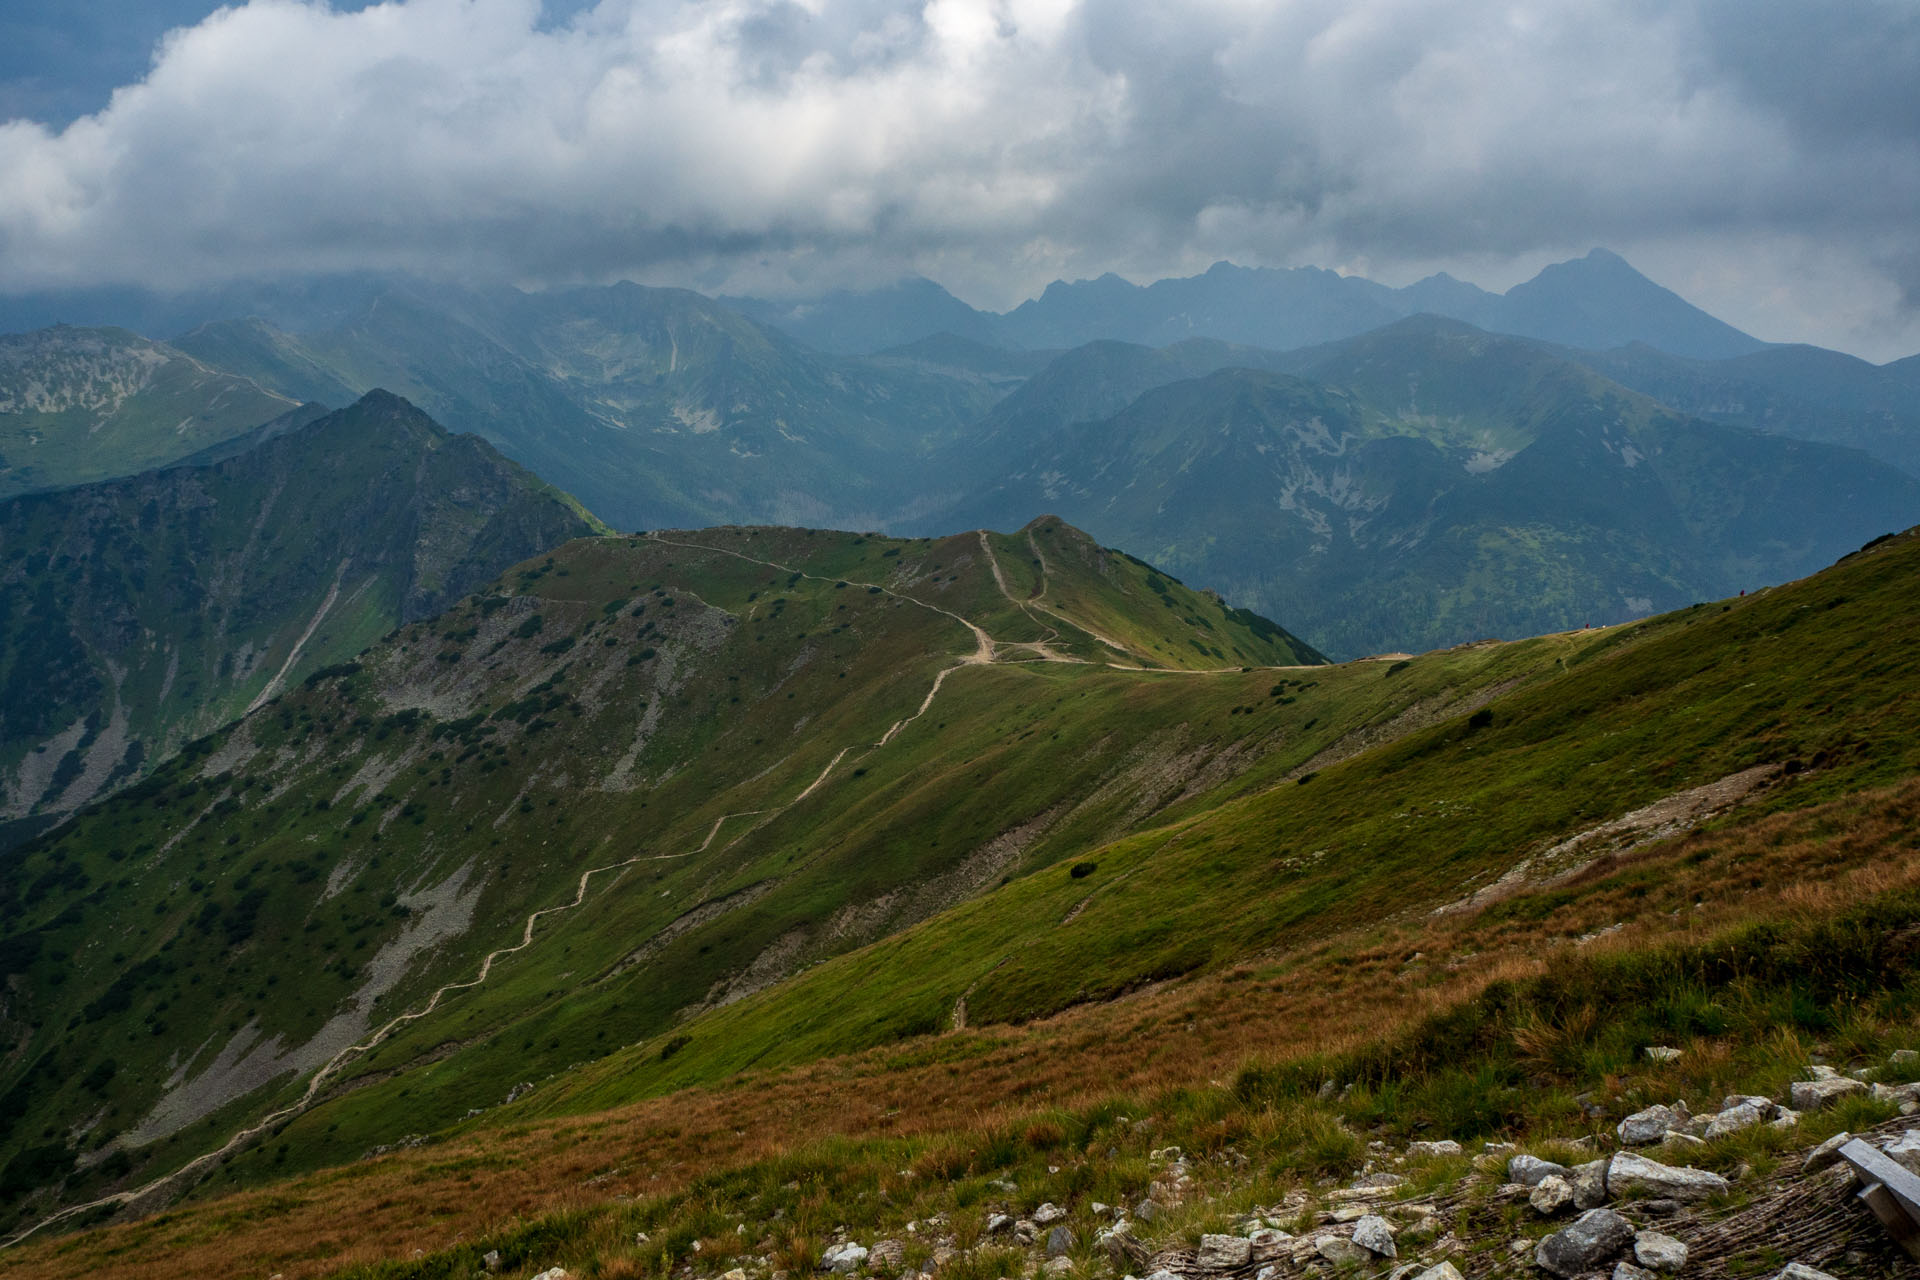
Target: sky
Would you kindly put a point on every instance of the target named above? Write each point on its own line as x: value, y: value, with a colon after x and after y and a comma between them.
x: 1761, y: 158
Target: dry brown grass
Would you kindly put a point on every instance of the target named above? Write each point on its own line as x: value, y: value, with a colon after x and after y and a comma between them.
x: 1327, y: 997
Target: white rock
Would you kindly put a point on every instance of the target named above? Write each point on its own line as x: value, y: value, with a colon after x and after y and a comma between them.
x: 1905, y: 1149
x: 1800, y: 1271
x: 1827, y: 1152
x: 1643, y: 1128
x: 998, y: 1222
x: 1733, y: 1120
x: 1529, y: 1170
x: 1657, y: 1251
x: 1629, y: 1172
x: 1266, y: 1244
x: 1445, y: 1271
x: 1048, y: 1214
x: 1057, y: 1267
x: 1661, y: 1053
x: 1786, y: 1119
x: 842, y: 1258
x: 552, y: 1273
x: 1811, y: 1095
x: 1375, y: 1234
x: 1624, y: 1270
x: 1590, y: 1186
x: 1444, y: 1147
x: 735, y: 1274
x: 1223, y: 1253
x: 886, y: 1255
x: 1904, y: 1058
x: 1553, y: 1195
x: 1339, y: 1249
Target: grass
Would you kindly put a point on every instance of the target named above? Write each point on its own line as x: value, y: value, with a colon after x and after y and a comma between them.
x: 1240, y: 965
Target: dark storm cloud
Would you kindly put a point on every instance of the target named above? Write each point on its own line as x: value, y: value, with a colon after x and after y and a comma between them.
x: 1762, y: 157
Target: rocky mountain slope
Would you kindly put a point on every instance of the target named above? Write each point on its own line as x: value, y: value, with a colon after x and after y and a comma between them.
x: 78, y: 405
x: 781, y: 744
x: 144, y: 612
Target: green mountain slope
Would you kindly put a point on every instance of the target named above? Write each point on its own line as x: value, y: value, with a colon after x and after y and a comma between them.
x: 672, y: 915
x: 1429, y: 483
x: 78, y: 405
x: 143, y: 612
x: 1492, y: 766
x: 781, y: 744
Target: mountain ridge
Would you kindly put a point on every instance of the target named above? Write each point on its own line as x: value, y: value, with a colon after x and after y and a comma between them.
x: 148, y: 610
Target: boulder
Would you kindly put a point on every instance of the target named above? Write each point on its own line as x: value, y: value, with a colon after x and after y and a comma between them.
x: 1374, y: 1234
x: 1586, y: 1244
x: 1553, y: 1195
x: 843, y: 1259
x: 1057, y: 1267
x: 1060, y: 1242
x: 1826, y: 1153
x: 1590, y: 1189
x: 1629, y: 1173
x: 1800, y: 1271
x: 1811, y: 1095
x: 490, y: 1262
x: 1266, y: 1244
x: 1904, y: 1058
x: 1147, y: 1210
x: 552, y: 1273
x: 1734, y: 1119
x: 1905, y: 1149
x: 1657, y: 1251
x: 1624, y: 1270
x: 1120, y: 1245
x: 886, y: 1256
x: 1784, y: 1118
x: 1444, y: 1147
x: 1339, y: 1250
x: 1223, y: 1253
x: 1644, y: 1128
x: 1896, y: 1093
x: 1445, y: 1271
x: 1529, y: 1170
x: 1048, y: 1214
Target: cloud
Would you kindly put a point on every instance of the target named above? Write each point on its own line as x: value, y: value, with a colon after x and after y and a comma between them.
x: 1769, y: 150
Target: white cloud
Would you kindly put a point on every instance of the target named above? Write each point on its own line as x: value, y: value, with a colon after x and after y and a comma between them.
x: 994, y: 144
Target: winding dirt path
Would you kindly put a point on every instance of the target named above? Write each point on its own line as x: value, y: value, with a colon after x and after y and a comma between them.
x: 985, y: 652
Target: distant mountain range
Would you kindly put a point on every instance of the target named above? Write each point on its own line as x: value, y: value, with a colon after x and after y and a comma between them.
x: 1595, y: 302
x: 1420, y: 485
x: 142, y: 612
x: 1412, y: 481
x: 84, y: 404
